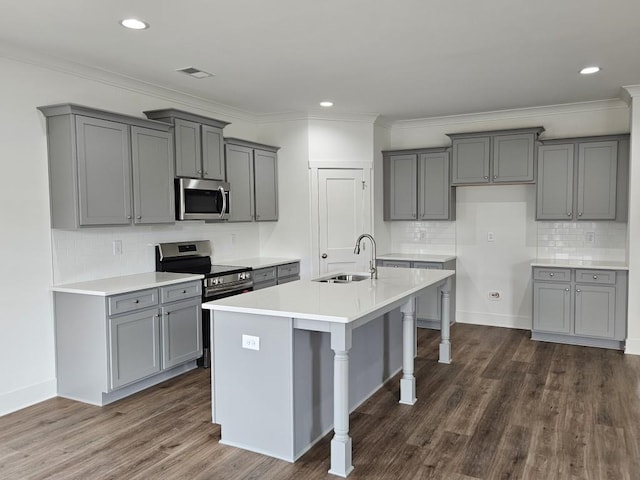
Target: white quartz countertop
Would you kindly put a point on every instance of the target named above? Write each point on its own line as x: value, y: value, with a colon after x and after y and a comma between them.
x: 334, y: 302
x: 128, y: 283
x: 257, y: 262
x: 595, y: 264
x: 417, y: 257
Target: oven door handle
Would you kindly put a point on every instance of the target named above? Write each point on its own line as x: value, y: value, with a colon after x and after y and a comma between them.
x: 212, y: 292
x: 224, y: 201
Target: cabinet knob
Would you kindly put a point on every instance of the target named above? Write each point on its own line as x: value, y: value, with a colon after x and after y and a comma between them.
x: 568, y: 214
x: 324, y: 255
x: 128, y: 217
x: 578, y: 290
x: 566, y: 289
x: 198, y: 171
x: 486, y: 177
x: 595, y: 277
x: 184, y: 291
x: 139, y: 217
x: 495, y: 176
x: 136, y: 301
x: 580, y: 214
x: 206, y: 173
x: 551, y: 274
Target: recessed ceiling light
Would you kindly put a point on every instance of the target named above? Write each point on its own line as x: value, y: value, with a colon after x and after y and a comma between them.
x: 326, y: 104
x: 589, y: 70
x: 134, y: 24
x: 195, y: 72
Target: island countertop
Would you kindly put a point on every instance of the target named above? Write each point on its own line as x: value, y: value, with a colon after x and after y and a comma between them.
x: 334, y: 302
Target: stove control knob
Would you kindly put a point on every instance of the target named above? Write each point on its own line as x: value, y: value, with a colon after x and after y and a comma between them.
x: 215, y: 281
x: 242, y: 276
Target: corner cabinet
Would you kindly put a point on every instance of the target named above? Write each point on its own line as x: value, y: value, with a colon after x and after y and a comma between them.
x: 110, y: 347
x: 580, y: 306
x: 583, y: 179
x: 199, y: 145
x: 417, y: 185
x: 107, y: 169
x: 503, y: 156
x: 252, y: 171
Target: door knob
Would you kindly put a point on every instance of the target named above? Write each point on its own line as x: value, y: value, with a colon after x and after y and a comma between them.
x: 324, y: 255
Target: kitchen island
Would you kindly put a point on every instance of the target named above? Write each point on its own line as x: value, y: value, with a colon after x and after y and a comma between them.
x: 291, y: 362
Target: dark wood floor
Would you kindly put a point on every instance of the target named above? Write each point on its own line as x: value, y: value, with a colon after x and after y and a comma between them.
x: 507, y: 407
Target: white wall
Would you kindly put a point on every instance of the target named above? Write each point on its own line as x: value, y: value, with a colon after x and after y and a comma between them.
x: 32, y: 260
x: 509, y: 212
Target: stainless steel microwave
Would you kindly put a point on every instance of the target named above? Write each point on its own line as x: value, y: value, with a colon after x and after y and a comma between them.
x: 198, y: 199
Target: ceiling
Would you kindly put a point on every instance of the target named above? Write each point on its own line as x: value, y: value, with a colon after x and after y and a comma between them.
x: 403, y: 59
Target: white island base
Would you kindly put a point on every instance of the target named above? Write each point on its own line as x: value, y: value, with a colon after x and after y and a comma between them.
x: 284, y: 376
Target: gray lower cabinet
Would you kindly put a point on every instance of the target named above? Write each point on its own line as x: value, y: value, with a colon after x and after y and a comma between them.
x: 108, y: 348
x: 253, y: 174
x: 429, y: 307
x: 417, y: 185
x: 505, y: 156
x: 276, y: 275
x: 199, y: 144
x: 583, y: 179
x: 107, y: 169
x: 580, y: 306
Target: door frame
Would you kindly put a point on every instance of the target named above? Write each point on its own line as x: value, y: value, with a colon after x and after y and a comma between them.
x: 314, y: 168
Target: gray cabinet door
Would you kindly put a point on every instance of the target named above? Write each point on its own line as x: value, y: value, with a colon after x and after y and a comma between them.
x: 552, y: 307
x: 265, y: 173
x: 212, y: 153
x: 513, y: 158
x: 434, y: 191
x: 181, y: 332
x: 188, y: 148
x: 470, y: 160
x: 104, y: 172
x: 597, y: 176
x: 240, y: 176
x: 554, y: 189
x: 595, y: 311
x: 402, y: 187
x: 134, y: 347
x: 152, y: 160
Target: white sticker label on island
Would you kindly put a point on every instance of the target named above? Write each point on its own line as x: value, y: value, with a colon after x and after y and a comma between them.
x: 251, y: 342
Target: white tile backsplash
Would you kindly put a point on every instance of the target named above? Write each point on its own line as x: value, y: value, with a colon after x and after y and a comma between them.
x: 569, y: 240
x: 423, y: 237
x: 87, y: 254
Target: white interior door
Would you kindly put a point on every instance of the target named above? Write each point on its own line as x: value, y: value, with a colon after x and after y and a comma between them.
x: 343, y: 214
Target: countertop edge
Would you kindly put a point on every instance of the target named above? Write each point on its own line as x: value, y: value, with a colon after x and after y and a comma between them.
x: 77, y: 288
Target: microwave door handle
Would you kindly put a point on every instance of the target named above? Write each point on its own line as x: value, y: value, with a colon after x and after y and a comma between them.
x: 224, y: 201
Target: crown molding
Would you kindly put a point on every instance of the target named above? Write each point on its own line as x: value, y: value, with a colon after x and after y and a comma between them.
x: 598, y: 105
x: 627, y: 93
x: 106, y: 77
x: 367, y: 118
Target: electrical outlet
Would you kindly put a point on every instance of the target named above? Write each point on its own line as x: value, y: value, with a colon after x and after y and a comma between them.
x: 117, y: 247
x: 590, y: 238
x: 250, y: 342
x: 495, y: 295
x: 491, y: 237
x: 423, y: 234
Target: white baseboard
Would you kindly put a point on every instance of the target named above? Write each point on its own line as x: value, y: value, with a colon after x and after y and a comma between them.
x: 493, y: 320
x: 25, y: 397
x: 632, y: 346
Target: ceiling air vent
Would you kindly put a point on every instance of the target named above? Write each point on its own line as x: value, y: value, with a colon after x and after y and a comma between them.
x: 194, y: 72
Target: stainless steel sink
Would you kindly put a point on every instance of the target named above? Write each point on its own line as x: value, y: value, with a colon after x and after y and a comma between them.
x: 344, y: 278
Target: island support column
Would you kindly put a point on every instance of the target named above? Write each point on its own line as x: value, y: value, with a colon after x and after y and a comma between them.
x: 341, y: 443
x: 445, y: 327
x: 408, y: 380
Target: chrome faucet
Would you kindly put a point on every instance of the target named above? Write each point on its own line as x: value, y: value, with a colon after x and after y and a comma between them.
x: 372, y: 263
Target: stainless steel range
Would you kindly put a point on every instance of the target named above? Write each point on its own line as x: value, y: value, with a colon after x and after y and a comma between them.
x: 220, y: 280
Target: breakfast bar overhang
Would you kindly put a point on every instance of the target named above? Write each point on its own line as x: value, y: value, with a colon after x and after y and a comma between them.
x: 270, y: 369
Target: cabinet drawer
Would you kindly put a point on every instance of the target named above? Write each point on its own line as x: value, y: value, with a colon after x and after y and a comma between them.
x: 395, y: 264
x: 428, y: 265
x: 607, y: 277
x: 554, y: 274
x: 288, y: 269
x: 130, y: 302
x: 264, y: 274
x: 288, y: 279
x: 269, y: 283
x: 172, y: 293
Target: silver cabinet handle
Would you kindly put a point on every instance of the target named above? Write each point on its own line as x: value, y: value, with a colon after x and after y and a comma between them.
x: 568, y: 214
x: 128, y: 217
x: 486, y: 177
x: 580, y: 214
x: 139, y: 217
x: 566, y: 289
x: 324, y: 255
x: 578, y: 290
x: 224, y: 201
x: 551, y: 274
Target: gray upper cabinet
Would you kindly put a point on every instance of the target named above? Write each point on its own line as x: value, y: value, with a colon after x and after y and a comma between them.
x: 417, y: 185
x: 107, y: 169
x: 505, y: 156
x: 199, y: 145
x: 583, y: 179
x: 252, y: 172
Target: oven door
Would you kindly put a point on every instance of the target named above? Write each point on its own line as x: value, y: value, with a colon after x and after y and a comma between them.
x: 198, y: 199
x: 205, y: 360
